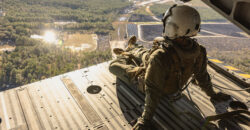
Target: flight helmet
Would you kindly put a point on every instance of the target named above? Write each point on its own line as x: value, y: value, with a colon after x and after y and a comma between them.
x: 180, y: 21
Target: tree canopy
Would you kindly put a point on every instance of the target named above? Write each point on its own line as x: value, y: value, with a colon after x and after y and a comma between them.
x: 34, y: 60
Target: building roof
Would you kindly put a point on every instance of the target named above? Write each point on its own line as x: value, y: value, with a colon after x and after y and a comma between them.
x: 64, y: 102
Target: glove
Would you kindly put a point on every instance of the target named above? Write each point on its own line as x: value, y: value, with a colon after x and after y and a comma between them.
x: 142, y: 124
x: 220, y: 97
x: 136, y: 71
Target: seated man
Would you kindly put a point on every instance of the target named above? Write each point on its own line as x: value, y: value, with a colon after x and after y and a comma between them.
x: 166, y: 68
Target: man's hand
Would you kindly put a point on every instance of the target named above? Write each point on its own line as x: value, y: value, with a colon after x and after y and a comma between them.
x: 135, y: 72
x: 220, y: 97
x: 142, y: 124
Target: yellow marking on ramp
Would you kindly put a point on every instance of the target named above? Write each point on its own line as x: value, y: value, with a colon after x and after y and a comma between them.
x: 216, y: 61
x: 245, y: 75
x: 231, y: 68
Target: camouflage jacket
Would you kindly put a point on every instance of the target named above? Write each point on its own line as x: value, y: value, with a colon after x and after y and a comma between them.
x: 169, y: 69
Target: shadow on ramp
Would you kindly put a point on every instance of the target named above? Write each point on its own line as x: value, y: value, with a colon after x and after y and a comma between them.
x: 182, y: 114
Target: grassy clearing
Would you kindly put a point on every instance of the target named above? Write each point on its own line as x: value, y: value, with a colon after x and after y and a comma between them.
x: 197, y: 3
x: 119, y: 33
x: 80, y: 40
x: 141, y: 11
x: 6, y: 47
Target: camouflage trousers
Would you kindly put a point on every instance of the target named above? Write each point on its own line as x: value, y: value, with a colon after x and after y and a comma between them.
x: 122, y: 65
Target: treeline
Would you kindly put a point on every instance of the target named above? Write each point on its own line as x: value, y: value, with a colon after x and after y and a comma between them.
x: 24, y: 17
x: 39, y: 61
x: 206, y: 13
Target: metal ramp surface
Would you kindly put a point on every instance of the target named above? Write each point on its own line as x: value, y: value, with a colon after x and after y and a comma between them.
x: 63, y: 102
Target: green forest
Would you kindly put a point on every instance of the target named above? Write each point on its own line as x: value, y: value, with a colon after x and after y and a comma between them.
x: 33, y: 60
x: 26, y: 17
x: 40, y: 61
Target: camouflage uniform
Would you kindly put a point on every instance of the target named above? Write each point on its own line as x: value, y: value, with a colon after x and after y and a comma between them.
x: 168, y: 69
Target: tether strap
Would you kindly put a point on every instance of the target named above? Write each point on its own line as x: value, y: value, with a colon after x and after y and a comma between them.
x: 187, y: 84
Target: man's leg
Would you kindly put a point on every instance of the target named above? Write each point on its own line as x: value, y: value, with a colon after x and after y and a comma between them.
x: 121, y: 71
x: 126, y: 68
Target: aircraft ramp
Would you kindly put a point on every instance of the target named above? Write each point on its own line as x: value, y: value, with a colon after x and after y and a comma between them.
x: 66, y: 102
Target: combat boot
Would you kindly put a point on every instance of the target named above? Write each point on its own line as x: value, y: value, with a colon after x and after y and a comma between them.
x: 131, y: 43
x: 118, y: 51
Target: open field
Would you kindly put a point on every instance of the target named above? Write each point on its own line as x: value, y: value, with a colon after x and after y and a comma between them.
x: 141, y: 10
x: 132, y: 30
x: 197, y: 3
x: 224, y: 44
x: 103, y: 43
x: 120, y: 31
x: 225, y: 29
x: 149, y: 32
x: 7, y: 48
x: 207, y: 14
x: 77, y: 41
x: 140, y: 18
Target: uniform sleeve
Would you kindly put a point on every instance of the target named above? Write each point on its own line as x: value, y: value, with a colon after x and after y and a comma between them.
x: 201, y: 74
x: 120, y: 68
x: 157, y: 70
x: 152, y: 100
x: 154, y: 81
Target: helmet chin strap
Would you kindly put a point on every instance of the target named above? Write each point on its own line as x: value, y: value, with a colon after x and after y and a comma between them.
x: 169, y: 39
